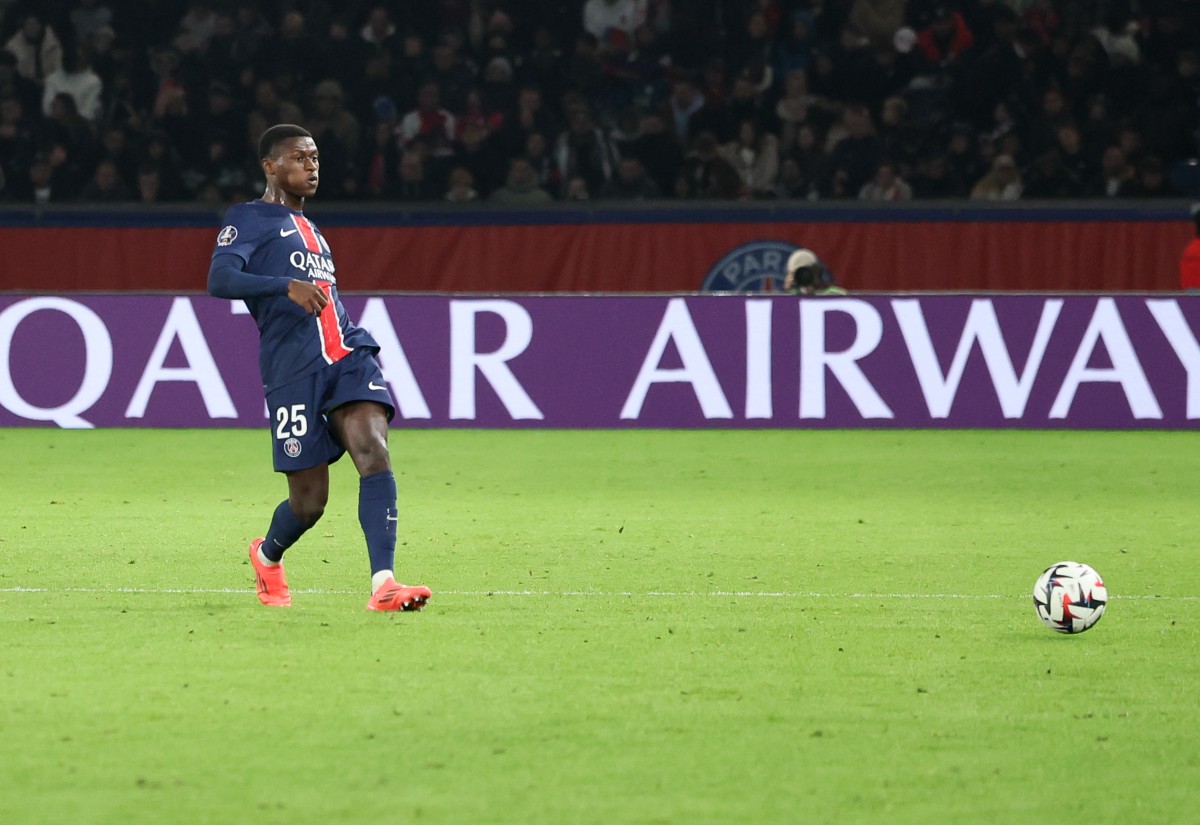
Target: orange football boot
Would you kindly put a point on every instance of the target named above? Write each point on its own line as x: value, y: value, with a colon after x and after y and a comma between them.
x: 392, y: 596
x: 272, y: 585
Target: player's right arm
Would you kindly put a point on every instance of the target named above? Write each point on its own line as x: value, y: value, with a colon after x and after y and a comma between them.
x: 227, y: 278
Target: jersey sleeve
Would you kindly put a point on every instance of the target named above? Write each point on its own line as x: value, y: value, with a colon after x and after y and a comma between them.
x: 239, y: 233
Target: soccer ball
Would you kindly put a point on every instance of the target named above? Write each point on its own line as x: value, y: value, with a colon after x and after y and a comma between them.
x: 1070, y: 597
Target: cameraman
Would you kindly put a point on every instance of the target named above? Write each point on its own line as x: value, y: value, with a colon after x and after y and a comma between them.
x: 806, y: 275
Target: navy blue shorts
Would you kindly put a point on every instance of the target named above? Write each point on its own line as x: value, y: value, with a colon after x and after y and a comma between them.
x: 302, y: 435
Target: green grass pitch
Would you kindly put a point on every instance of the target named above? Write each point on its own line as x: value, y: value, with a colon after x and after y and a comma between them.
x: 631, y: 627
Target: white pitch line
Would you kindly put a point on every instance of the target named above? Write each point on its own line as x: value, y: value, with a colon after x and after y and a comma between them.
x: 597, y: 594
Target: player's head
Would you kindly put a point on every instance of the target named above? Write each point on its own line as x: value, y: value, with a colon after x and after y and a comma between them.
x: 270, y: 143
x: 289, y: 160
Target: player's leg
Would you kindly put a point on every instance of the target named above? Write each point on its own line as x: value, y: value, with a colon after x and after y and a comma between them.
x: 302, y: 449
x: 308, y: 491
x: 362, y: 428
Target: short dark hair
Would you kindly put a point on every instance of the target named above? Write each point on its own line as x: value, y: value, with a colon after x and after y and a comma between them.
x: 278, y: 134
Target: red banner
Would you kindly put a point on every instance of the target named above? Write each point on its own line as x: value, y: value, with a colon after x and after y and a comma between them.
x: 635, y: 256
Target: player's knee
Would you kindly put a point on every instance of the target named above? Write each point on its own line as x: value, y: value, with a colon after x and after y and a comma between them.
x: 309, y: 512
x: 309, y: 504
x: 371, y: 455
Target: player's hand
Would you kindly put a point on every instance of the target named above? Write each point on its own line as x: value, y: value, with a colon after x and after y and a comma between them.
x: 308, y: 295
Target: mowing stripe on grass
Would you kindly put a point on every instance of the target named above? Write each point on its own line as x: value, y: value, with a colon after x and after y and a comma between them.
x: 601, y: 594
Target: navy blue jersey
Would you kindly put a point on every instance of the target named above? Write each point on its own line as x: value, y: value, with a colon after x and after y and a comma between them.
x: 280, y: 244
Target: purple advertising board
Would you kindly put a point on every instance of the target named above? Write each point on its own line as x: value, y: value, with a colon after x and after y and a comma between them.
x: 628, y: 361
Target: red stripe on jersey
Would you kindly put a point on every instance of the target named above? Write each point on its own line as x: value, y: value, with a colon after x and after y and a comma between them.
x: 308, y: 232
x: 333, y: 345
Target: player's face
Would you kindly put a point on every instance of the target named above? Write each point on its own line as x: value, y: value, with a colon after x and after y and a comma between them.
x: 296, y: 167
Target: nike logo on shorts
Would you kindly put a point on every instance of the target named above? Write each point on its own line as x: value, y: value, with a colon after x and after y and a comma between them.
x: 373, y: 386
x: 284, y: 233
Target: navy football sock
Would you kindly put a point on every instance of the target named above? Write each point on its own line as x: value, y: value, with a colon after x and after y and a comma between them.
x: 378, y: 515
x: 284, y: 531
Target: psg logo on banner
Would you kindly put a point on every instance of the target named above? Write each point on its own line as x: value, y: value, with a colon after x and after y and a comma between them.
x: 756, y: 267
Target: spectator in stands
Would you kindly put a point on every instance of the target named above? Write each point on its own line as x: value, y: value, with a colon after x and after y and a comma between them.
x: 686, y: 100
x: 1189, y: 263
x: 877, y: 20
x: 537, y: 152
x: 791, y: 185
x: 584, y: 150
x: 1115, y: 174
x: 753, y: 47
x: 795, y: 49
x: 118, y: 149
x: 149, y: 184
x: 106, y: 185
x: 1049, y: 178
x: 529, y: 115
x: 18, y: 141
x: 1070, y: 144
x: 576, y: 189
x: 659, y: 151
x: 856, y: 153
x: 413, y: 184
x: 479, y: 153
x: 165, y: 159
x: 269, y: 109
x: 887, y: 185
x: 75, y: 78
x: 706, y: 173
x: 88, y: 18
x: 585, y: 68
x: 792, y: 108
x: 462, y: 187
x: 455, y: 78
x: 963, y: 162
x: 1150, y: 180
x: 199, y: 23
x: 337, y: 132
x: 379, y: 171
x: 15, y: 85
x: 37, y: 49
x: 631, y: 183
x: 41, y: 185
x: 946, y: 39
x: 932, y: 179
x: 601, y: 16
x: 435, y: 125
x: 755, y: 156
x: 1001, y: 183
x: 67, y: 128
x: 520, y: 187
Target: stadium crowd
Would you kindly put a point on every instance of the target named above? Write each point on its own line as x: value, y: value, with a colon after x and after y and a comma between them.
x: 524, y: 102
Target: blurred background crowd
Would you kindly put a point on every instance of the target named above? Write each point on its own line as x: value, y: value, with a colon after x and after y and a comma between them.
x: 533, y: 101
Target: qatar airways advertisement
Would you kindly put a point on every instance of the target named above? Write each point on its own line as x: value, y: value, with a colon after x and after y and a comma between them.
x: 628, y: 361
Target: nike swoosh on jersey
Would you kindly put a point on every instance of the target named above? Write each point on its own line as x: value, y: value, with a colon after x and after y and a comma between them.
x: 284, y: 233
x: 373, y: 386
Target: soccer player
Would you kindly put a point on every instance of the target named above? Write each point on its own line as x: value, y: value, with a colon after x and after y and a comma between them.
x: 325, y: 392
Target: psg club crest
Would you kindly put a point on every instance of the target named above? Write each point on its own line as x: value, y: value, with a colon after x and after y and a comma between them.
x: 756, y: 267
x: 226, y: 235
x: 292, y: 447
